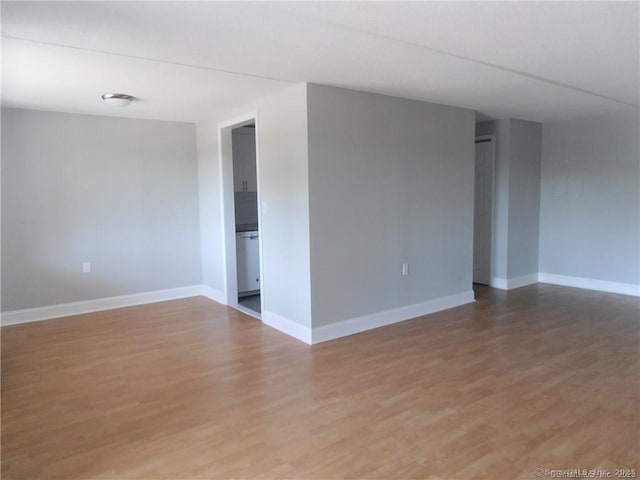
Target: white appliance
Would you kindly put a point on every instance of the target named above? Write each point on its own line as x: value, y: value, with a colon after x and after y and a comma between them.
x: 248, y: 262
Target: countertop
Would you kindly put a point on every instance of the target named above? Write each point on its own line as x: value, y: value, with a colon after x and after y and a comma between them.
x: 246, y: 227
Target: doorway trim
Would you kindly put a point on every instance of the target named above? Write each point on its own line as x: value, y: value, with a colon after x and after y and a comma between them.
x: 227, y: 205
x: 490, y: 138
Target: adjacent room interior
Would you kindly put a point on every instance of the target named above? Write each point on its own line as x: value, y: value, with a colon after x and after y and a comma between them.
x: 320, y: 240
x: 245, y: 189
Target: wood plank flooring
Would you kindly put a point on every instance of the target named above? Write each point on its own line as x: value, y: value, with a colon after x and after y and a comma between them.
x: 539, y: 377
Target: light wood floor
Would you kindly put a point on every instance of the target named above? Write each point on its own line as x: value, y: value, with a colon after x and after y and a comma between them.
x: 539, y: 377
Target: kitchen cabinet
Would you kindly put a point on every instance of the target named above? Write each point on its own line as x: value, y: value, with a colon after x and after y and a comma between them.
x: 245, y: 177
x: 248, y: 262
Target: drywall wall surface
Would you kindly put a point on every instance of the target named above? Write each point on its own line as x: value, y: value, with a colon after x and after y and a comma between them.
x: 590, y: 200
x: 524, y: 197
x: 501, y: 199
x: 119, y: 193
x: 516, y: 196
x: 501, y: 129
x: 391, y: 182
x: 281, y: 136
x: 284, y: 196
x: 210, y: 207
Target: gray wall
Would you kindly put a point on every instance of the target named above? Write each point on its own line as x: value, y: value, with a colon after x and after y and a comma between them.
x: 284, y: 186
x: 210, y: 208
x: 502, y: 131
x: 516, y: 196
x: 391, y: 181
x: 590, y: 200
x: 119, y: 193
x: 524, y: 197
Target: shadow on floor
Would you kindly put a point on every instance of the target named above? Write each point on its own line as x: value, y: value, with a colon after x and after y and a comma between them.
x: 251, y: 302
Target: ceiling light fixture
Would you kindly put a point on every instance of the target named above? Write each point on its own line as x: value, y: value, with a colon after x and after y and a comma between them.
x: 117, y: 99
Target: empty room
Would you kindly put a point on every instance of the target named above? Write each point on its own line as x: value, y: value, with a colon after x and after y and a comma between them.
x: 318, y: 240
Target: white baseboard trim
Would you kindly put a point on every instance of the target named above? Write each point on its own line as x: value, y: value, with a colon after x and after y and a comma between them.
x: 214, y: 294
x: 515, y: 282
x: 289, y: 327
x: 498, y: 282
x: 590, y: 284
x: 76, y: 308
x: 388, y: 317
x: 522, y: 281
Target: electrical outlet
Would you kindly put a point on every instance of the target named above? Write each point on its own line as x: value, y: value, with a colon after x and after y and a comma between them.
x: 405, y: 269
x: 86, y: 267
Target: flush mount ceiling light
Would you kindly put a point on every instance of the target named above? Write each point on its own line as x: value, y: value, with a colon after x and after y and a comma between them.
x: 117, y: 99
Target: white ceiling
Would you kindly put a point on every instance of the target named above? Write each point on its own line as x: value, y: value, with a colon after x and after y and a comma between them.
x: 191, y: 61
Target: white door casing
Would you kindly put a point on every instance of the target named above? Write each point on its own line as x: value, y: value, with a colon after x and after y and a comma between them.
x: 225, y: 153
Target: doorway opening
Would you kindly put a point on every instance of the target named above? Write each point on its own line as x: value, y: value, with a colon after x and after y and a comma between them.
x: 238, y: 150
x: 483, y: 209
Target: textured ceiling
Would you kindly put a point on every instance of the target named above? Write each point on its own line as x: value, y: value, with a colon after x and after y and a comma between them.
x: 191, y: 61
